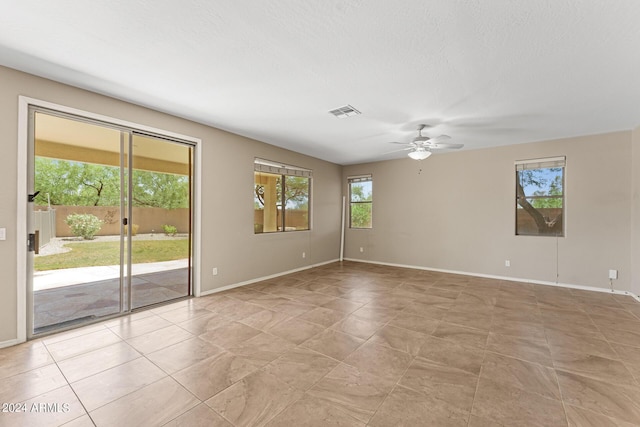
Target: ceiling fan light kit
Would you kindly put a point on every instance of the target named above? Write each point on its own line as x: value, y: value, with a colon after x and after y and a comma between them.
x: 419, y: 154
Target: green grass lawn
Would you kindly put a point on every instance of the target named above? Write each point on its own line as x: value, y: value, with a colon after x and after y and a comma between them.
x: 108, y: 253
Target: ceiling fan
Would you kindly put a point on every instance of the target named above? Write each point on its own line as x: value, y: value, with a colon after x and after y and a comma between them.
x: 422, y: 146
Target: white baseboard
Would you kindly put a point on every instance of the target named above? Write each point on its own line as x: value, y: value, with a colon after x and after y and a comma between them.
x: 260, y: 279
x: 9, y: 343
x: 509, y: 279
x: 440, y: 270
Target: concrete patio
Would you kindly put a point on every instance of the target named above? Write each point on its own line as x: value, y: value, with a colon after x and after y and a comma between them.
x: 97, y: 292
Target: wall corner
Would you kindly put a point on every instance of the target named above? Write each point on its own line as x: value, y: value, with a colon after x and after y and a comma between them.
x: 635, y: 211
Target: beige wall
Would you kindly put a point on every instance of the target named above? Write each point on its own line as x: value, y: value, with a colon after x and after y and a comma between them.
x: 228, y: 241
x: 421, y: 213
x: 420, y: 208
x: 635, y: 212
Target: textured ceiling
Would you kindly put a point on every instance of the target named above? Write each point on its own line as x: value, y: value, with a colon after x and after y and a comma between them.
x: 487, y: 73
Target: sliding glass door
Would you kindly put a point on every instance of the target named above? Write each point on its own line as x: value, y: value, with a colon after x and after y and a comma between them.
x: 109, y: 220
x: 161, y: 182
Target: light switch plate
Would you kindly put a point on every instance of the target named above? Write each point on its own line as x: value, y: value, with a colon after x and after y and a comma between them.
x: 3, y: 233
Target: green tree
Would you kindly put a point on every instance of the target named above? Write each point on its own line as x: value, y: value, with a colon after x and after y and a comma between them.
x: 361, y: 212
x: 545, y: 186
x: 85, y: 184
x: 555, y: 189
x: 296, y: 192
x: 75, y: 183
x: 160, y: 190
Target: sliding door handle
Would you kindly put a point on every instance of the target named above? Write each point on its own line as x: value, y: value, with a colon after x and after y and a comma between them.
x: 32, y: 197
x: 31, y: 243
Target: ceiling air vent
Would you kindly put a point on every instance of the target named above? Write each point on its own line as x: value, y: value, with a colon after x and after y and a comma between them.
x: 345, y: 111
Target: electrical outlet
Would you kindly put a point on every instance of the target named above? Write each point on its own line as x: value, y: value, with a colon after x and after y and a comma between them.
x: 507, y: 263
x: 304, y: 254
x: 613, y: 274
x: 361, y: 249
x: 215, y: 271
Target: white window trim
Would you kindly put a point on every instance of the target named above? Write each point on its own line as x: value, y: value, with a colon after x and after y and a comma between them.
x: 350, y: 180
x: 267, y: 166
x: 276, y: 168
x: 548, y: 162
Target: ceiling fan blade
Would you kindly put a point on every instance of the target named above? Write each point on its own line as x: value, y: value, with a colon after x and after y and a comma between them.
x: 440, y: 138
x: 423, y: 142
x: 396, y: 151
x: 444, y: 146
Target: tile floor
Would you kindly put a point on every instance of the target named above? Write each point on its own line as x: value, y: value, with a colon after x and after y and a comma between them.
x: 345, y: 344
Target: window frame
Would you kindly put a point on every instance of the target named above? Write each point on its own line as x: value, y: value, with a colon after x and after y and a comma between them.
x: 539, y: 164
x: 353, y: 180
x: 282, y: 171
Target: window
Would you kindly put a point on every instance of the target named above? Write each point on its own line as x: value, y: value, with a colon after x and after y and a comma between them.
x: 360, y: 201
x: 540, y: 197
x: 281, y: 197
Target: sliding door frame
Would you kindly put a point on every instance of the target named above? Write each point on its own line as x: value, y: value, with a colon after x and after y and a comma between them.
x: 24, y: 106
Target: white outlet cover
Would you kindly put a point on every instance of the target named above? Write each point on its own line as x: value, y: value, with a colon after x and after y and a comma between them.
x: 3, y: 233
